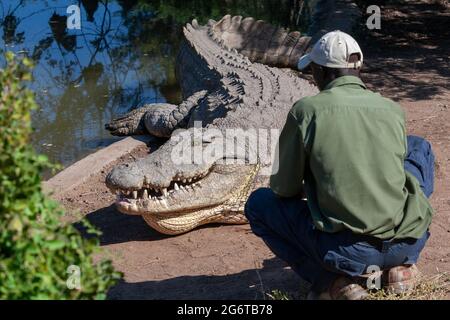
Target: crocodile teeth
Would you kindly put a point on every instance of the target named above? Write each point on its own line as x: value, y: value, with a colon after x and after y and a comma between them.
x: 135, y: 194
x: 176, y: 187
x: 145, y: 194
x: 164, y: 191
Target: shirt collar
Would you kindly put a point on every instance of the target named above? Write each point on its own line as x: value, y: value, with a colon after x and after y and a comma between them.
x: 345, y: 80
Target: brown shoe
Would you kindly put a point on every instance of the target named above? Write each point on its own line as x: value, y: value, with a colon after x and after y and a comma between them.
x: 342, y: 288
x: 400, y: 279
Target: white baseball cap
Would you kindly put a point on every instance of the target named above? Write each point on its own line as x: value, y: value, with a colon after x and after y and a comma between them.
x: 333, y: 50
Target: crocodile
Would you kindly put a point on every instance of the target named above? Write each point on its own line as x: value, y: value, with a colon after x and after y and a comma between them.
x: 236, y: 73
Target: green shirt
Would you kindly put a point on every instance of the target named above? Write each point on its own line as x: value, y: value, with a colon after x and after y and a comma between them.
x: 348, y: 144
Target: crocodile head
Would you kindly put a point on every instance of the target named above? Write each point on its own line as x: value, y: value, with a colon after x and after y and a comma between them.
x: 174, y: 195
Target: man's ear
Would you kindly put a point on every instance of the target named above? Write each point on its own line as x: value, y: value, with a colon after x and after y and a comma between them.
x: 354, y: 57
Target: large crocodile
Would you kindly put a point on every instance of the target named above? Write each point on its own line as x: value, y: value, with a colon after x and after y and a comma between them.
x: 232, y: 75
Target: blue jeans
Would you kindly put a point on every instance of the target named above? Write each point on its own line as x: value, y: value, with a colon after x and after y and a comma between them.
x: 286, y: 227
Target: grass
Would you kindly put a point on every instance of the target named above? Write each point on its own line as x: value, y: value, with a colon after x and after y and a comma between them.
x: 278, y: 295
x: 435, y: 287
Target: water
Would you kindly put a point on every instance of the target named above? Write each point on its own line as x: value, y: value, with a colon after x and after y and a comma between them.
x: 122, y: 57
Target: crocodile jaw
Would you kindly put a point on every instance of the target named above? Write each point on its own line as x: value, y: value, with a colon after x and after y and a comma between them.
x: 220, y: 200
x: 217, y: 197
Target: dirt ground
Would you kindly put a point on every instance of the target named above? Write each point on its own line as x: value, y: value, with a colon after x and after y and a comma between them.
x: 407, y: 60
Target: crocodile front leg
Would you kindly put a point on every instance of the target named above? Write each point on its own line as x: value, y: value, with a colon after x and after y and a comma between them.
x: 158, y: 119
x: 134, y: 121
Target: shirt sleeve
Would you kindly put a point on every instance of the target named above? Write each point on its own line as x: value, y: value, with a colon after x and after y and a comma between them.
x: 287, y: 181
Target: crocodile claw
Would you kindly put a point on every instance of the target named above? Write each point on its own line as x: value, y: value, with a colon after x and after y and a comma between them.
x: 130, y: 124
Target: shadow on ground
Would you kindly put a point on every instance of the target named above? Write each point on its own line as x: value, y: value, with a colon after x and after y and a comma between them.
x: 414, y: 38
x: 248, y: 284
x: 118, y: 228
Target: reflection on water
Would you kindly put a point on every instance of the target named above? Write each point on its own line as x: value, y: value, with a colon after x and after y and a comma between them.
x: 122, y: 57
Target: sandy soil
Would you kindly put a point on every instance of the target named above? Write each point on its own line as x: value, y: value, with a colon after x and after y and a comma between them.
x: 408, y: 60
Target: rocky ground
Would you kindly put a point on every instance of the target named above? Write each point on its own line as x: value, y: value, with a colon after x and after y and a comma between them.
x: 407, y: 60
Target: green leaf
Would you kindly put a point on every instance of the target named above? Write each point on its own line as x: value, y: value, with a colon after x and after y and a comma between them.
x: 16, y: 225
x: 54, y: 244
x: 35, y: 247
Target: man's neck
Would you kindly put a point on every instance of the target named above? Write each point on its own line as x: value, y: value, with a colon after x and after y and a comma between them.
x: 344, y: 72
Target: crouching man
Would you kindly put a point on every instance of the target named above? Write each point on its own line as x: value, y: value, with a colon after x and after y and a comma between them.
x: 366, y: 183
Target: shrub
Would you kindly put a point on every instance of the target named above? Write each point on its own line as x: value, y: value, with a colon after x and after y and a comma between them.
x: 36, y: 249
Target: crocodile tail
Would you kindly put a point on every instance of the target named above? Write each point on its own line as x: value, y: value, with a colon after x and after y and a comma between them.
x: 259, y: 40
